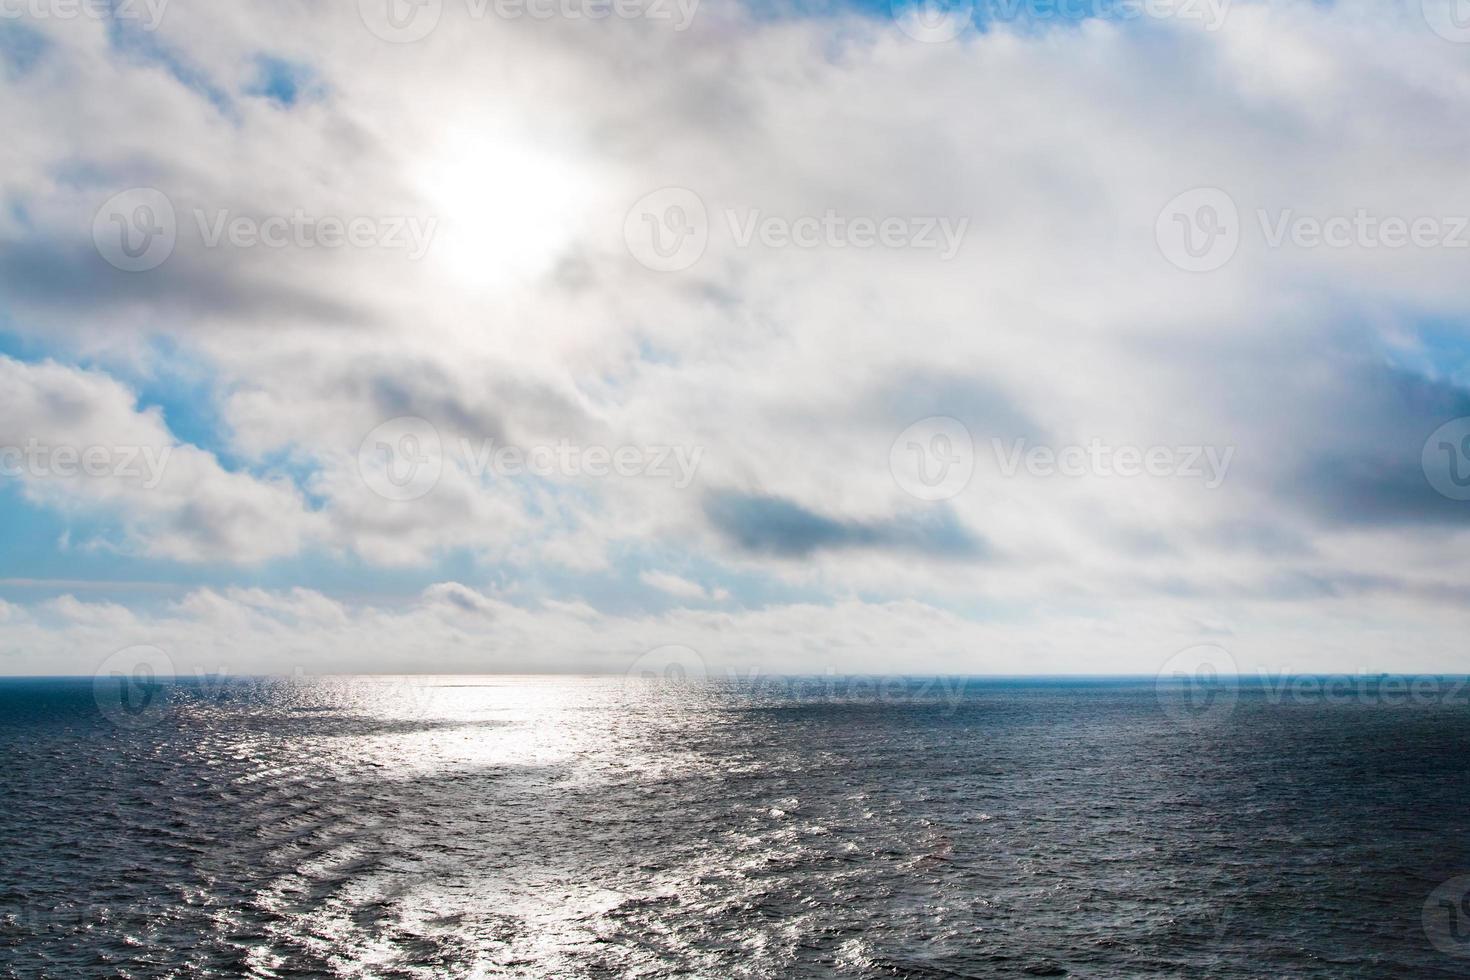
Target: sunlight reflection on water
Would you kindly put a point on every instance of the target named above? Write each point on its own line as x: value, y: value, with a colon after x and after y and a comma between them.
x: 587, y: 827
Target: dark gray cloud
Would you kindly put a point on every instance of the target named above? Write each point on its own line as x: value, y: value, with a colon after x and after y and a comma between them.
x: 1365, y: 465
x: 775, y: 526
x: 42, y: 277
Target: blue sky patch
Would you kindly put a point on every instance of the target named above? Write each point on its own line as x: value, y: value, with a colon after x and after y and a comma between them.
x: 284, y: 82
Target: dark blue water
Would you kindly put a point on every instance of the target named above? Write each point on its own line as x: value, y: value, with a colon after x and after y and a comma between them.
x: 545, y: 827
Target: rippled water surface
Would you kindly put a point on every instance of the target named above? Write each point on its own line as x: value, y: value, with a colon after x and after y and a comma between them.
x: 555, y: 827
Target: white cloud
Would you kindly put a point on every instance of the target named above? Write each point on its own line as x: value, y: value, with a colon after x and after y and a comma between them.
x: 681, y: 587
x: 75, y: 440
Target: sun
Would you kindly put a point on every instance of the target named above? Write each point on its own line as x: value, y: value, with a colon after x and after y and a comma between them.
x: 506, y: 207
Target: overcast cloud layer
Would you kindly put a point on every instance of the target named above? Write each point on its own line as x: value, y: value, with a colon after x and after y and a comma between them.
x: 538, y: 344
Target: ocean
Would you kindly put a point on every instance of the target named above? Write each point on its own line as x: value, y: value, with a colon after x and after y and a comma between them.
x: 568, y: 827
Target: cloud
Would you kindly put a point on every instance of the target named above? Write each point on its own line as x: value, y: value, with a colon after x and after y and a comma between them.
x: 780, y: 527
x: 246, y: 633
x: 1372, y: 471
x: 681, y: 587
x: 791, y: 370
x: 460, y: 597
x: 76, y: 440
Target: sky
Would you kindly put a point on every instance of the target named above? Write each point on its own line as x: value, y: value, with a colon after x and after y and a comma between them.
x: 1018, y: 336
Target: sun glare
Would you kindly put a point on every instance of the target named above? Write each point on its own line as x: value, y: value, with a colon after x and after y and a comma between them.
x: 506, y: 208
